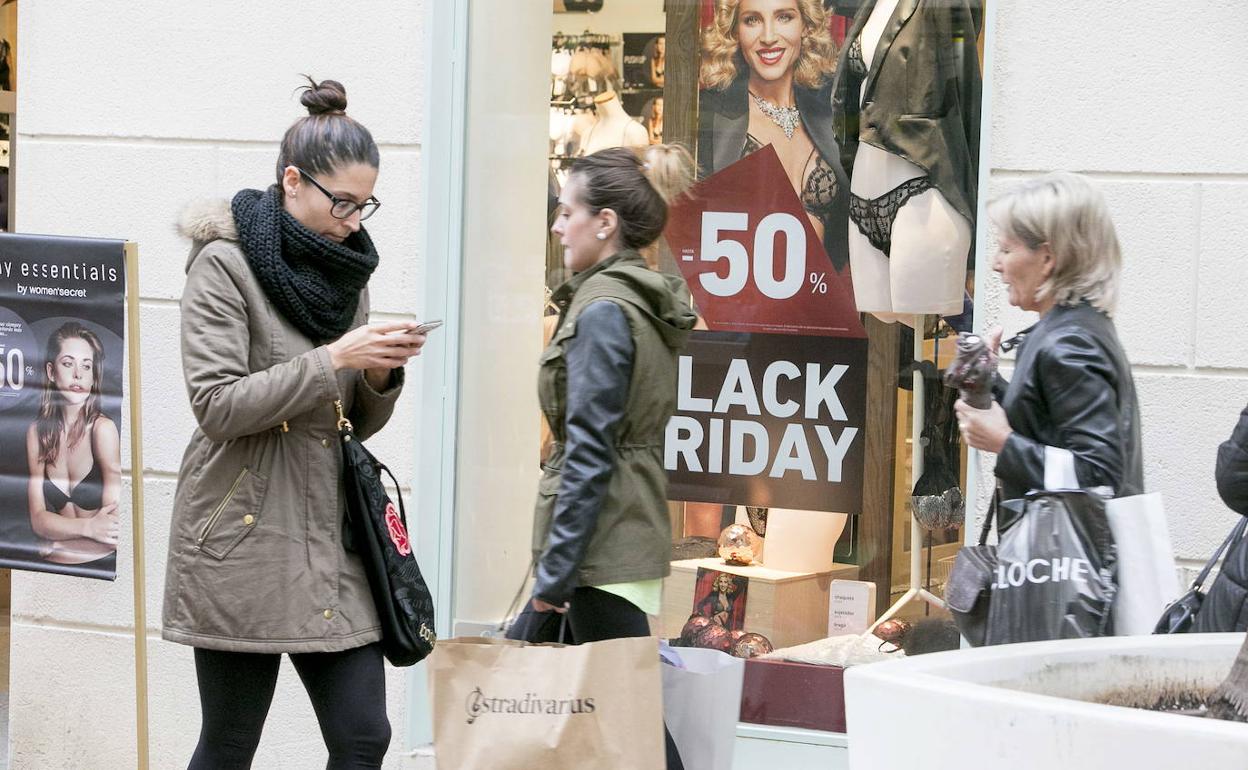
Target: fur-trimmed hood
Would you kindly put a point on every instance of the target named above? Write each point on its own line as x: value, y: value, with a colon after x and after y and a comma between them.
x: 206, y: 221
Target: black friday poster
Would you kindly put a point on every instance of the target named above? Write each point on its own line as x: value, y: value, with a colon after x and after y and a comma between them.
x: 62, y: 355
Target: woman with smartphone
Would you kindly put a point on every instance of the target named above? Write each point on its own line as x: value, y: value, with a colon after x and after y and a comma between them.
x: 274, y: 331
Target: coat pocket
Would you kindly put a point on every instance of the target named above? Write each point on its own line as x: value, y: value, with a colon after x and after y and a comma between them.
x: 234, y: 517
x: 544, y: 510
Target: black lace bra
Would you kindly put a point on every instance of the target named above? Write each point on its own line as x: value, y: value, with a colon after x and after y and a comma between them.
x: 820, y: 187
x: 87, y: 494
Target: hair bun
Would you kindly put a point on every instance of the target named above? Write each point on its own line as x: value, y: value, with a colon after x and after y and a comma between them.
x: 327, y: 96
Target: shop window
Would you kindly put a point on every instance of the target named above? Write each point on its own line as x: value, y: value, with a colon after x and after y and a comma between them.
x: 832, y: 223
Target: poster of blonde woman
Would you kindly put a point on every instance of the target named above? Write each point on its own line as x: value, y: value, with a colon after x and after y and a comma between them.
x: 62, y: 322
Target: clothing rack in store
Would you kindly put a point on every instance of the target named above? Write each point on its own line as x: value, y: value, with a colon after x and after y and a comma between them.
x: 586, y: 39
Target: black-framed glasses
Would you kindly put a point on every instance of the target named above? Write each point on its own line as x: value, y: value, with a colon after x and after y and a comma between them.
x: 341, y: 208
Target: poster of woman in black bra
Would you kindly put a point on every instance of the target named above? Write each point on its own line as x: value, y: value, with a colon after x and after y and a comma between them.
x: 62, y: 324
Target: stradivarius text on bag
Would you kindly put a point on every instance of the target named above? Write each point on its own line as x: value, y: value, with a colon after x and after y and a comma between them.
x: 479, y: 704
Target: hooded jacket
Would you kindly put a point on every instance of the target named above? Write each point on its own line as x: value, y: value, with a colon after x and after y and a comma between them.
x: 256, y: 562
x: 607, y: 386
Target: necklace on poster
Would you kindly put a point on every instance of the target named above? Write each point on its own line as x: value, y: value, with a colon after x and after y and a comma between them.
x: 787, y: 118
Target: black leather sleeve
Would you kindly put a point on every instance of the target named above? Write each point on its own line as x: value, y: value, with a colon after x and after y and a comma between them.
x: 1232, y: 470
x: 1077, y: 380
x: 600, y: 364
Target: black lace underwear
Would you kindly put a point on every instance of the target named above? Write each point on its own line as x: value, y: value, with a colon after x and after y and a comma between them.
x: 874, y: 216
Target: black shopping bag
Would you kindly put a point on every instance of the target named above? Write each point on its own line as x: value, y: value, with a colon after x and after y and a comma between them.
x: 1054, y: 576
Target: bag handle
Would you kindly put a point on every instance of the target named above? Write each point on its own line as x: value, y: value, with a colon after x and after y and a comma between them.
x: 1235, y: 535
x: 992, y: 514
x: 515, y: 601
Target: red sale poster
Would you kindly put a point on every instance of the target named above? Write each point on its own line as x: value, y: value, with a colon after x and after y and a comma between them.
x: 752, y: 259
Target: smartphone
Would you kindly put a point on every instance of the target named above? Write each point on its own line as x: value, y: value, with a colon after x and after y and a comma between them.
x: 426, y: 327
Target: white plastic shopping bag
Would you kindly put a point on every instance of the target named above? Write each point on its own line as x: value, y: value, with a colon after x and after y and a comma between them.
x: 1147, y: 574
x: 702, y: 704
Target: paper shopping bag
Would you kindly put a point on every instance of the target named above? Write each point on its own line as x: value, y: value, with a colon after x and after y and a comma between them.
x: 501, y: 704
x: 701, y: 705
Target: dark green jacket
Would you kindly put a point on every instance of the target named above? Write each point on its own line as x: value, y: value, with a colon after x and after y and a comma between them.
x: 601, y: 514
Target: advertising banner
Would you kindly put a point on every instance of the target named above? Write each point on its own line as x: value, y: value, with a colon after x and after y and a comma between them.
x: 62, y: 353
x: 769, y: 420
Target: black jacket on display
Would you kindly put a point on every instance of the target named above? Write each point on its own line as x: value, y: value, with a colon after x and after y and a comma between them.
x: 724, y: 122
x: 922, y: 94
x: 1072, y: 389
x: 1226, y: 606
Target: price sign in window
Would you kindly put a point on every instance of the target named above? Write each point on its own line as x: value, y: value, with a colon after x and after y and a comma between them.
x: 752, y: 258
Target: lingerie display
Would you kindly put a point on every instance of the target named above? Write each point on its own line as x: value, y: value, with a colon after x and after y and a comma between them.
x: 87, y: 494
x: 928, y: 66
x: 820, y: 187
x: 874, y: 216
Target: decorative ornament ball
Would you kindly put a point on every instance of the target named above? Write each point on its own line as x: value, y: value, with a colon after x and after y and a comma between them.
x: 751, y: 645
x: 893, y: 631
x: 736, y: 634
x: 738, y: 544
x: 713, y: 637
x: 693, y: 626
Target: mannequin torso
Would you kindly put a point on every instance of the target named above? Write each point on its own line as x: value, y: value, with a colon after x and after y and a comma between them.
x: 924, y: 270
x: 613, y: 127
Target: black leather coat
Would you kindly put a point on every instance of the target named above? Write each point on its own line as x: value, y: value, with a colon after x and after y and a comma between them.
x: 1072, y: 389
x: 1226, y: 606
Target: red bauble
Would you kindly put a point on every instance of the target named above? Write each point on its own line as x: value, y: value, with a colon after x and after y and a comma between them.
x: 714, y: 638
x: 693, y: 626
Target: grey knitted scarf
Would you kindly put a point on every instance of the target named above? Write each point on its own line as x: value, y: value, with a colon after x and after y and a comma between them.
x: 314, y: 282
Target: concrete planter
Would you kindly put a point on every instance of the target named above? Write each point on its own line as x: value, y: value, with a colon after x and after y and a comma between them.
x: 1036, y: 705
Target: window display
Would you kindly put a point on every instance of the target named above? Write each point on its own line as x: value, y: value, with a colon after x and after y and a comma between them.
x: 837, y: 171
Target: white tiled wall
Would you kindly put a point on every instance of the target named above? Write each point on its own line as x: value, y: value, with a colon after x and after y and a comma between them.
x: 126, y: 112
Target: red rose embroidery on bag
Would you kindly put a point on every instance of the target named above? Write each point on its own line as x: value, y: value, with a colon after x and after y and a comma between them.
x: 398, y: 535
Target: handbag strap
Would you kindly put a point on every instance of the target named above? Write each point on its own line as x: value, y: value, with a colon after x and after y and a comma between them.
x: 1235, y: 535
x: 992, y: 514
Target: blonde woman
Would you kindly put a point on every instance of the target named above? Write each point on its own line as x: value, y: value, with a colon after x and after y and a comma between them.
x: 1058, y: 255
x: 766, y: 77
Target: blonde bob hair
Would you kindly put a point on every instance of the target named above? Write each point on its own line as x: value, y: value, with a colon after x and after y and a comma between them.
x: 723, y: 62
x: 1068, y: 214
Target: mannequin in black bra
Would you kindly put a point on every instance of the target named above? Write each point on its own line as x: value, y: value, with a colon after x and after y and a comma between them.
x: 74, y: 455
x: 908, y: 241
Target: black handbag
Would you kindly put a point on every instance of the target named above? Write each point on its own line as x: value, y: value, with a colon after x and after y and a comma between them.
x: 378, y: 533
x: 969, y: 587
x: 1179, y: 616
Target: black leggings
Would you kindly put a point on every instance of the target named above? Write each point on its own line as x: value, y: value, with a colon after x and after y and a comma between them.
x: 593, y: 616
x: 347, y: 689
